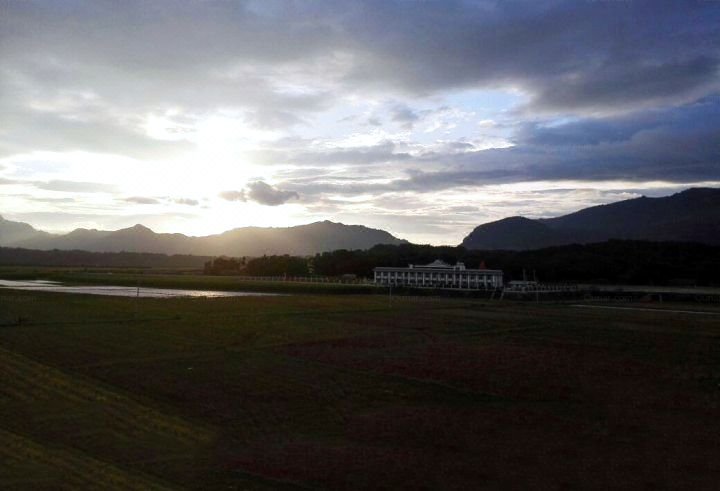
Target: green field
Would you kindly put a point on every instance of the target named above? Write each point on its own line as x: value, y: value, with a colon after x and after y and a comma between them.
x: 353, y: 392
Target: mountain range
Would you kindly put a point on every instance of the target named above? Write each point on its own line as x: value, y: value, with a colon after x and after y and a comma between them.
x: 692, y: 215
x: 247, y: 241
x: 689, y: 216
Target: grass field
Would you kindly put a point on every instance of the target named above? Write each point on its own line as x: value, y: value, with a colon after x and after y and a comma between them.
x: 354, y: 392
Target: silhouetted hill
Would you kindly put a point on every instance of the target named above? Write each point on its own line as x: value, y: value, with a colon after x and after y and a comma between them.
x: 13, y: 232
x: 690, y: 216
x: 302, y: 240
x: 248, y: 241
x: 514, y: 233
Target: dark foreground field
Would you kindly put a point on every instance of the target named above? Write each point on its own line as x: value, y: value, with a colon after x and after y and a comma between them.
x: 349, y: 392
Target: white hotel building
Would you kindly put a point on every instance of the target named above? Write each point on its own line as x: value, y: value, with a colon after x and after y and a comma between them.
x: 439, y: 274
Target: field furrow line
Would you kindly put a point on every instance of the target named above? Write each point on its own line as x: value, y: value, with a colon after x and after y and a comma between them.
x: 41, y: 381
x: 78, y: 471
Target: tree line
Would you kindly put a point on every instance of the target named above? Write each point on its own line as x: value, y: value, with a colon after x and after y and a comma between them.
x: 615, y: 261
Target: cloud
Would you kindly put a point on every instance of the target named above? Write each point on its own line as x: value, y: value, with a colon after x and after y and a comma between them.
x: 141, y: 200
x: 278, y: 64
x: 48, y: 133
x: 651, y: 57
x: 75, y: 186
x: 63, y: 185
x: 66, y: 89
x: 302, y: 153
x: 186, y: 201
x: 265, y: 194
x: 234, y: 195
x: 62, y: 91
x: 607, y: 89
x: 261, y: 192
x: 358, y: 100
x: 674, y: 144
x: 145, y: 200
x: 51, y: 200
x: 272, y: 119
x: 403, y: 115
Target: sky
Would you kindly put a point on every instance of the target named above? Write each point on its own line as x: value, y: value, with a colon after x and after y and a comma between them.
x: 423, y: 118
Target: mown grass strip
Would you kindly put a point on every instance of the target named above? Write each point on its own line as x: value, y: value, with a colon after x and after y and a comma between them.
x: 74, y: 469
x: 44, y: 382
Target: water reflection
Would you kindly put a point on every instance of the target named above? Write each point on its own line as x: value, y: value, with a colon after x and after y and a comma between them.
x: 123, y: 291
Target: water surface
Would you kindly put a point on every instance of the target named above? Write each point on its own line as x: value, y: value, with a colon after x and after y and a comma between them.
x: 122, y: 291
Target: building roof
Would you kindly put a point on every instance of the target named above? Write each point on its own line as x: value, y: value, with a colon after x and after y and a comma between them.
x: 438, y: 266
x: 435, y: 264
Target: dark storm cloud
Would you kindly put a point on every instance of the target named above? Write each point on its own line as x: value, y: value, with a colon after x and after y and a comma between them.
x: 191, y: 54
x: 633, y: 84
x: 678, y: 144
x: 610, y: 55
x: 696, y: 118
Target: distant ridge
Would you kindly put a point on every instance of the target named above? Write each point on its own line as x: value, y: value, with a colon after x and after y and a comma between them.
x: 692, y: 215
x: 247, y: 241
x: 14, y: 232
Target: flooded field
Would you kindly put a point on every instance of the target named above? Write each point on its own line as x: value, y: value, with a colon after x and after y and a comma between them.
x: 121, y: 291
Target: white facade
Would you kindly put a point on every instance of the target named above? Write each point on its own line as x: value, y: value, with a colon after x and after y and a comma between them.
x: 439, y: 274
